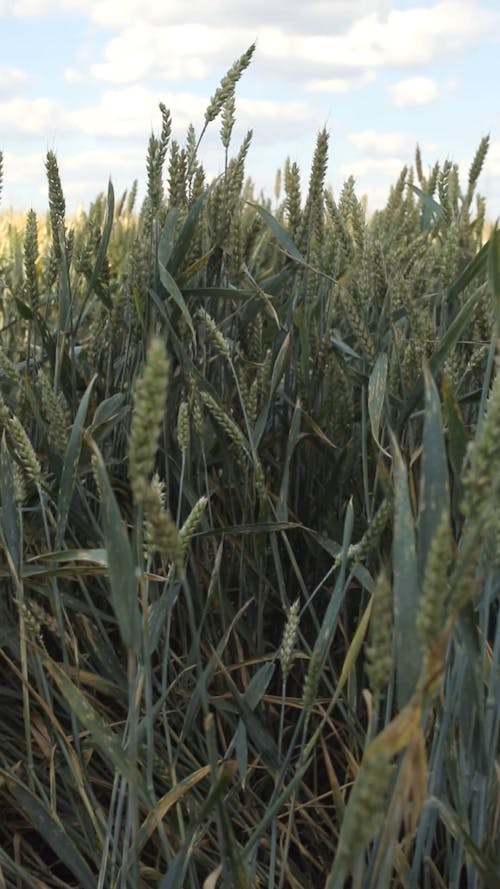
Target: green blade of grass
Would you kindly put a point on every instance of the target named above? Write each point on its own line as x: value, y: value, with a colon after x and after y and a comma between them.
x: 9, y: 514
x: 258, y: 734
x: 355, y: 647
x: 457, y: 327
x: 241, y: 745
x: 238, y: 875
x: 494, y: 273
x: 280, y: 233
x: 471, y: 271
x: 407, y: 647
x: 456, y: 434
x: 329, y: 622
x: 174, y: 878
x: 167, y: 239
x: 434, y: 487
x: 258, y: 685
x: 272, y: 810
x: 181, y: 247
x: 252, y: 696
x: 377, y: 385
x: 105, y: 739
x: 70, y: 466
x: 488, y: 870
x: 93, y: 556
x: 431, y: 209
x: 229, y: 293
x: 249, y: 528
x: 64, y: 295
x: 107, y: 410
x: 122, y: 567
x: 102, y: 251
x: 52, y: 831
x: 293, y: 438
x: 277, y: 372
x: 172, y: 289
x: 169, y: 799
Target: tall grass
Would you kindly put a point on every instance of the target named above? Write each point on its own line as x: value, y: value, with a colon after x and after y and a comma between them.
x: 249, y: 531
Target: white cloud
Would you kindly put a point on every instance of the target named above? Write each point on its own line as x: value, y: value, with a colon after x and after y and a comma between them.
x: 376, y: 196
x: 102, y: 160
x: 83, y: 175
x: 414, y: 91
x: 72, y: 75
x: 399, y: 39
x: 20, y: 116
x: 120, y: 13
x: 38, y: 8
x: 489, y: 182
x: 336, y: 85
x: 87, y: 173
x: 133, y: 111
x: 120, y: 113
x: 305, y: 16
x: 492, y: 162
x: 18, y: 169
x: 324, y: 39
x: 11, y: 78
x: 98, y: 161
x: 172, y: 52
x: 373, y: 142
x: 387, y: 166
x: 339, y: 85
x: 265, y: 109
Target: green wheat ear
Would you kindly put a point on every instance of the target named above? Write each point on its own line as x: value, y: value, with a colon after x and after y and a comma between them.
x: 481, y: 480
x: 214, y: 334
x: 150, y: 394
x: 289, y: 639
x: 227, y: 85
x: 293, y: 198
x: 366, y: 804
x: 228, y: 120
x: 57, y: 423
x: 193, y: 520
x: 183, y: 427
x: 161, y: 531
x: 30, y: 258
x: 431, y: 613
x: 311, y: 681
x: 476, y: 167
x: 379, y: 654
x: 8, y: 368
x: 57, y: 204
x: 21, y: 444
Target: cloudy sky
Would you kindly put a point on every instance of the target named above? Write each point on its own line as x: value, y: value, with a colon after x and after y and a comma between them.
x: 84, y: 78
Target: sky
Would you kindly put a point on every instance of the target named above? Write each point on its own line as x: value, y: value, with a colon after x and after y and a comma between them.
x: 84, y: 78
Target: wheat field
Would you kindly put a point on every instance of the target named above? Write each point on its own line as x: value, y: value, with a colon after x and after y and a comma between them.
x: 249, y: 530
